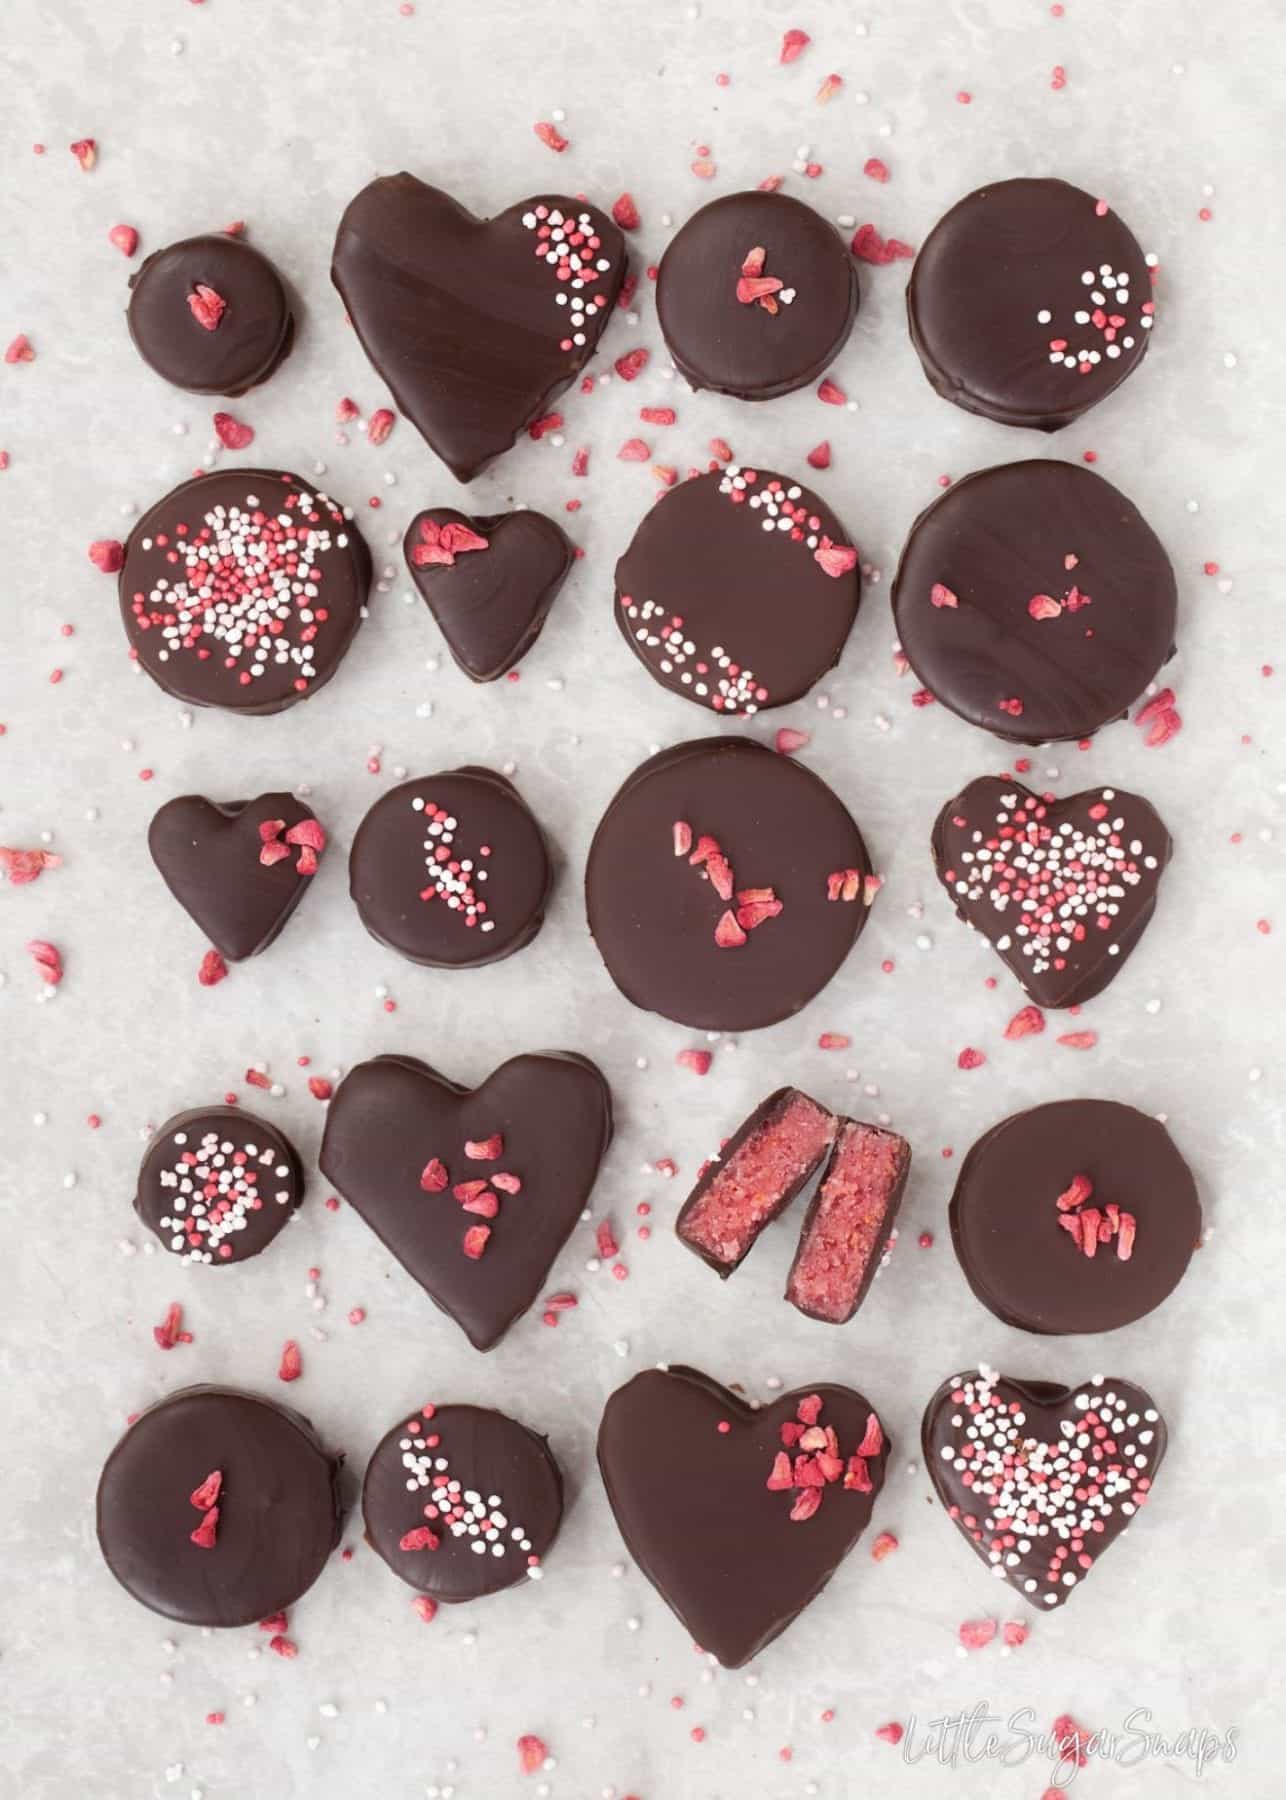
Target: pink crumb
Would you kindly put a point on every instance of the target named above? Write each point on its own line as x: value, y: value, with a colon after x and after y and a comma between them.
x: 848, y: 1222
x: 729, y: 1209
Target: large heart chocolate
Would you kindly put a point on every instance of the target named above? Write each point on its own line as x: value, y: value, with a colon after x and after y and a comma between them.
x: 489, y: 582
x: 1041, y: 1479
x: 738, y: 1517
x: 239, y: 869
x: 475, y: 324
x: 474, y: 1191
x: 1061, y: 889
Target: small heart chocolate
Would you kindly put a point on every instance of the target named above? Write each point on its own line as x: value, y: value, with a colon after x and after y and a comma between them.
x: 1040, y: 1479
x: 738, y: 1517
x: 1061, y: 889
x: 489, y: 582
x: 476, y: 325
x: 238, y: 869
x: 474, y: 1190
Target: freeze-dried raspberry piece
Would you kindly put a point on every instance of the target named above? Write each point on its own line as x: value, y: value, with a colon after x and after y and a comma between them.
x: 848, y: 1222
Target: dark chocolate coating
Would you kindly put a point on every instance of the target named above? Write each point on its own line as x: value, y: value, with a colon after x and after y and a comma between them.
x: 279, y: 1512
x: 1024, y: 1266
x: 208, y: 856
x: 490, y: 1456
x: 461, y: 318
x: 1062, y: 896
x: 391, y: 1116
x: 169, y: 628
x: 726, y: 612
x: 389, y: 870
x: 1070, y: 1501
x: 739, y: 348
x: 490, y: 604
x: 254, y: 332
x: 224, y: 1226
x: 691, y: 1503
x: 1000, y: 539
x: 992, y: 269
x: 653, y: 915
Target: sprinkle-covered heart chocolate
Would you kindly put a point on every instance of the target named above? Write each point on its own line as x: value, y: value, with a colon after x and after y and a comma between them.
x: 489, y: 582
x: 473, y: 1190
x: 476, y: 325
x: 1061, y: 889
x: 239, y: 869
x: 1041, y: 1479
x: 738, y: 1517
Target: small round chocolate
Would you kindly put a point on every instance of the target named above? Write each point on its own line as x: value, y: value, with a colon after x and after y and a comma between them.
x: 263, y: 1474
x: 217, y: 1184
x: 1035, y: 601
x: 210, y: 314
x: 756, y: 295
x: 451, y: 870
x: 738, y: 590
x: 1029, y: 303
x: 243, y: 589
x: 1024, y: 1256
x: 461, y: 1501
x: 725, y: 885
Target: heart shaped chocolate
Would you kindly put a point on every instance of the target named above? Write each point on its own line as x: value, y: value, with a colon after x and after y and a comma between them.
x: 489, y: 582
x: 475, y: 324
x: 474, y: 1190
x: 238, y: 869
x: 1061, y: 889
x: 738, y: 1517
x: 1041, y: 1479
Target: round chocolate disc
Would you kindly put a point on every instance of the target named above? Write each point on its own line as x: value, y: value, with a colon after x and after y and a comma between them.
x: 755, y: 295
x: 725, y: 885
x: 451, y: 870
x: 218, y: 1508
x: 217, y: 1184
x: 211, y: 315
x: 1029, y: 302
x: 243, y: 589
x: 1035, y: 601
x: 1079, y: 1216
x: 461, y: 1501
x: 739, y: 590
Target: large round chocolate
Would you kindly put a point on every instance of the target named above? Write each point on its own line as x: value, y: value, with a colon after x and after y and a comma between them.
x: 755, y: 295
x: 210, y: 314
x: 739, y: 590
x: 461, y: 1501
x: 451, y: 870
x: 243, y: 589
x: 1029, y: 302
x: 1035, y: 601
x: 217, y: 1184
x: 277, y: 1507
x: 1140, y: 1217
x: 725, y: 885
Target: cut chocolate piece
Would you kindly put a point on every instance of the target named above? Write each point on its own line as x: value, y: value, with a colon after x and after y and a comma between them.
x: 217, y: 1184
x: 461, y: 1501
x: 210, y: 314
x: 757, y: 1174
x: 847, y: 1229
x: 1040, y: 1479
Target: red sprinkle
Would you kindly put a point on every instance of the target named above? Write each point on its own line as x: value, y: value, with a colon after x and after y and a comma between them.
x: 625, y: 212
x: 212, y: 970
x: 207, y: 306
x: 819, y: 457
x: 532, y: 1753
x: 1026, y: 1023
x: 875, y: 170
x: 550, y: 136
x: 697, y: 1060
x: 891, y: 1733
x: 232, y: 433
x: 831, y: 394
x: 107, y: 554
x: 291, y: 1366
x: 793, y: 45
x: 125, y: 238
x: 970, y: 1059
x: 788, y: 740
x: 631, y: 365
x: 379, y: 425
x: 49, y: 964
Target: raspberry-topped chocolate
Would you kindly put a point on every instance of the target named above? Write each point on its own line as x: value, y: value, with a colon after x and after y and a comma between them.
x: 210, y: 314
x: 243, y: 589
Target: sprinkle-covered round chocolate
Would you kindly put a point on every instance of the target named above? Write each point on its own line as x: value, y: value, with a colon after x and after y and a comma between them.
x: 210, y: 314
x: 217, y: 1184
x: 218, y: 1508
x: 1035, y: 601
x: 755, y: 295
x: 1029, y: 303
x: 461, y: 1501
x: 243, y: 589
x: 738, y: 590
x: 451, y: 870
x: 725, y: 885
x: 1078, y: 1216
